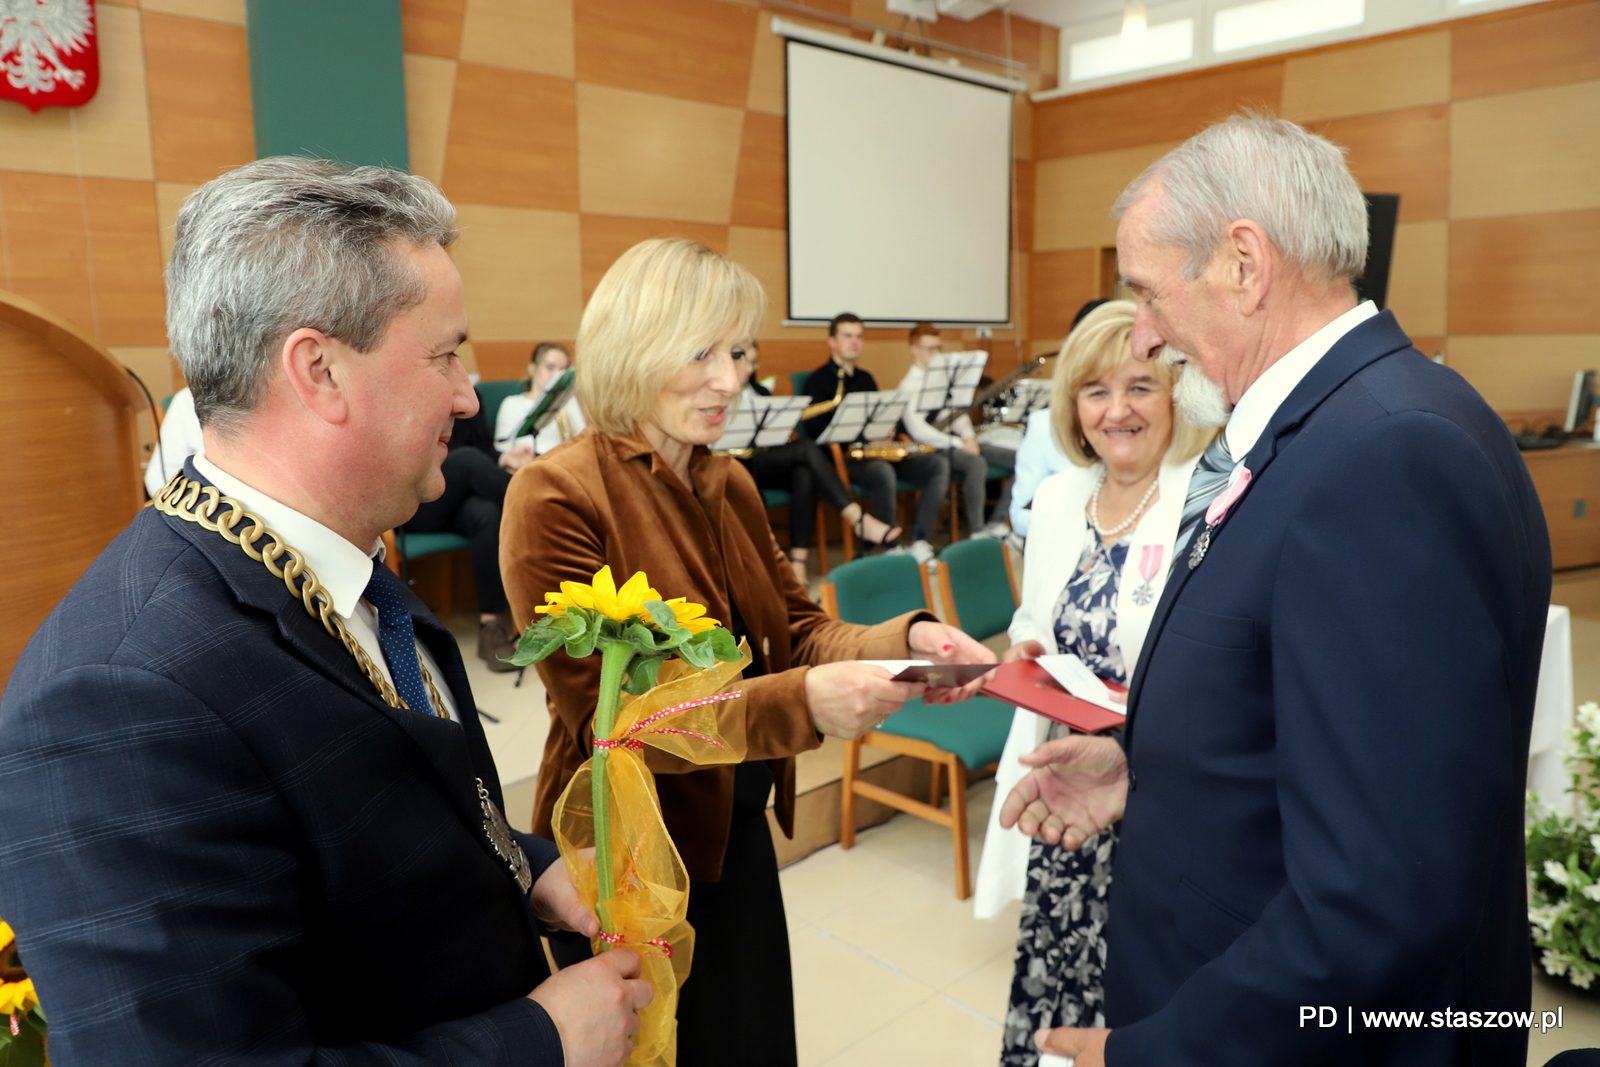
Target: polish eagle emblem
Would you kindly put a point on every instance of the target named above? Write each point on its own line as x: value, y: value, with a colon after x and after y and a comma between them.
x: 48, y: 52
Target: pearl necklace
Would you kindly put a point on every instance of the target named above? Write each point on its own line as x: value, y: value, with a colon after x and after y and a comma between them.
x: 1094, y: 507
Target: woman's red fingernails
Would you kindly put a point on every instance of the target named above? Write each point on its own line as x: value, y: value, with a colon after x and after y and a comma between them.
x: 947, y: 648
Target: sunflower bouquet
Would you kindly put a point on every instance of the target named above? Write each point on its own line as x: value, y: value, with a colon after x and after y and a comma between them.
x: 22, y: 1036
x: 665, y: 672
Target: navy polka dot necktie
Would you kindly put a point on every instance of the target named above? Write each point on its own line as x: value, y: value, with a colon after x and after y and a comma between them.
x: 397, y: 637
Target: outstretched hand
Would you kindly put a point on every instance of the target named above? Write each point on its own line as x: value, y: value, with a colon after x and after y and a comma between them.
x: 556, y: 904
x: 1079, y: 788
x: 945, y: 644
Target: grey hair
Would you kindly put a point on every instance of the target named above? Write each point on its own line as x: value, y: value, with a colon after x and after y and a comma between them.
x: 1295, y: 184
x: 284, y: 243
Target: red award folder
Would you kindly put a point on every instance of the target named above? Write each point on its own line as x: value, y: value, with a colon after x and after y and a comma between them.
x: 1028, y: 685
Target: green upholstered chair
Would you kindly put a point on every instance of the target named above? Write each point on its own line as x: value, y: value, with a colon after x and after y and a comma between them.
x: 492, y: 394
x: 952, y: 737
x: 977, y: 587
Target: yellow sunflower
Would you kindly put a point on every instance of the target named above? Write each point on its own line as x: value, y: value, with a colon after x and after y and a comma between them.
x: 17, y: 998
x: 7, y: 935
x: 623, y: 604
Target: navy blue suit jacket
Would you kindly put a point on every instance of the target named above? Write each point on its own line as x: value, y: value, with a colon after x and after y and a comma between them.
x: 1328, y: 739
x: 218, y: 845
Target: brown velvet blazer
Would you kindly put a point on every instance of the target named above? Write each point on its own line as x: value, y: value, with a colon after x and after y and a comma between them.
x: 605, y: 499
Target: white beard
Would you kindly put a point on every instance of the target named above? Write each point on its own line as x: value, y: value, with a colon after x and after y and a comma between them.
x: 1199, y: 399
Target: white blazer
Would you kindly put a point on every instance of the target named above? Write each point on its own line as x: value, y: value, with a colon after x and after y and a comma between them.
x: 1056, y: 541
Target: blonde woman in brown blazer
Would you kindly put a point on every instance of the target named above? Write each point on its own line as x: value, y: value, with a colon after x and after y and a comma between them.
x: 658, y: 373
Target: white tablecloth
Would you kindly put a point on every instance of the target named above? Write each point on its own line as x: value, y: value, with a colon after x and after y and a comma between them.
x: 1552, y: 714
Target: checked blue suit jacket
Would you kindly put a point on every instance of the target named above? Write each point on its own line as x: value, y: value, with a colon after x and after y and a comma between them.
x: 218, y: 845
x: 1328, y: 739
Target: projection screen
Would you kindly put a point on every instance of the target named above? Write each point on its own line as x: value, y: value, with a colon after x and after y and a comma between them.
x: 899, y: 192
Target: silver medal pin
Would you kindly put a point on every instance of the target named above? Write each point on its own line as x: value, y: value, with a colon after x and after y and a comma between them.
x: 1201, y: 543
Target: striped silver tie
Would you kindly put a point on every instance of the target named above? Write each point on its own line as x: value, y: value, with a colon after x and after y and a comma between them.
x: 1208, y: 479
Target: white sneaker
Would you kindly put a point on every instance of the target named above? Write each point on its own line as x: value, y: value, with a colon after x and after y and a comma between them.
x: 922, y: 551
x: 897, y: 550
x: 995, y: 531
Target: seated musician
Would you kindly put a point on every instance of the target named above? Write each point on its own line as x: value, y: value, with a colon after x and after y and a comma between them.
x: 544, y: 367
x: 928, y: 471
x: 951, y: 432
x: 802, y: 469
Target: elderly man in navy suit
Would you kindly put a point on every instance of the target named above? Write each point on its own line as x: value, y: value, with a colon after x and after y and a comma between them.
x: 1321, y: 779
x: 247, y: 811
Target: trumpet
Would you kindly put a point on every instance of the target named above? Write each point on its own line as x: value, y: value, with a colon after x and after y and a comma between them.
x: 893, y: 451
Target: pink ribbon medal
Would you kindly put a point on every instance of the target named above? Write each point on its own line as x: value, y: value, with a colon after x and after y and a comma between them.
x: 1149, y: 566
x: 1237, y: 484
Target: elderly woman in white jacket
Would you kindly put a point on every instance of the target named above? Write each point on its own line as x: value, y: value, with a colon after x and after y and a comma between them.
x: 1098, y: 555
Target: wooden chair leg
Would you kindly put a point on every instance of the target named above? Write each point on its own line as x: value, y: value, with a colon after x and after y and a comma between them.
x: 822, y: 540
x: 955, y: 524
x: 847, y: 794
x: 958, y: 827
x: 935, y: 784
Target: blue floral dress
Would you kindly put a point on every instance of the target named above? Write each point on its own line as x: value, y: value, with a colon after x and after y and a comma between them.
x: 1061, y: 945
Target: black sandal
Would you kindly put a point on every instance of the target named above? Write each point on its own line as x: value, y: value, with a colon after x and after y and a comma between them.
x: 891, y: 537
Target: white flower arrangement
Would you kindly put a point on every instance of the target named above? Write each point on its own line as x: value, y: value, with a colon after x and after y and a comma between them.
x: 1564, y: 864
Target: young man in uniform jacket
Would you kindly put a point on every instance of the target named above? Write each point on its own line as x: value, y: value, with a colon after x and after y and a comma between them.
x: 247, y: 812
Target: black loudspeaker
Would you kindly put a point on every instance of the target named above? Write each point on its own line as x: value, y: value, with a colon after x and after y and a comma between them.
x: 1383, y: 210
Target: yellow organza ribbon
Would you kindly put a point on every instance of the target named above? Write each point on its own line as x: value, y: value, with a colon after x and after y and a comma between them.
x: 691, y: 715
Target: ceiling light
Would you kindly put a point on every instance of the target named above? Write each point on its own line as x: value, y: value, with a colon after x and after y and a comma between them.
x: 1134, y: 25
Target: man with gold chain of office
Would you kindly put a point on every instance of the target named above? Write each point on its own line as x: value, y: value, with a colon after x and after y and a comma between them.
x: 929, y: 471
x: 247, y: 810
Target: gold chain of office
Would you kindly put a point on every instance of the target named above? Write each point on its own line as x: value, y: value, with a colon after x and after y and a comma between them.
x: 195, y: 502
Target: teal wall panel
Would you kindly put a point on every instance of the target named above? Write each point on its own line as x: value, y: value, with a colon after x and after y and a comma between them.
x: 328, y: 80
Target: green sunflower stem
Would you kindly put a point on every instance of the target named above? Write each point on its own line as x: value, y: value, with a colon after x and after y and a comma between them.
x: 615, y: 655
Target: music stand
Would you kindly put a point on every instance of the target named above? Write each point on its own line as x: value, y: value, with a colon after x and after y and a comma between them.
x: 951, y: 381
x: 869, y: 416
x: 762, y: 422
x: 549, y: 405
x: 1033, y: 394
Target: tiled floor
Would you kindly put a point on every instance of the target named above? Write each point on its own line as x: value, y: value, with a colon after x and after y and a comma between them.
x: 889, y: 967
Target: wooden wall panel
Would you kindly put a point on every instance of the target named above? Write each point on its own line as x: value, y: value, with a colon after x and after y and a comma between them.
x: 1533, y: 49
x: 1061, y: 282
x: 1525, y: 274
x: 1164, y: 109
x: 695, y: 49
x: 783, y: 358
x: 169, y: 198
x: 606, y: 237
x: 1405, y: 152
x: 530, y: 35
x: 1419, y: 277
x: 230, y: 11
x: 1409, y: 71
x: 1537, y: 150
x: 760, y: 193
x: 108, y: 137
x: 521, y: 269
x: 130, y: 299
x: 47, y: 254
x: 430, y: 90
x: 513, y: 140
x: 765, y: 253
x: 656, y: 156
x: 199, y: 84
x: 432, y: 27
x: 502, y: 360
x: 1024, y: 199
x: 1526, y: 372
x: 1074, y: 194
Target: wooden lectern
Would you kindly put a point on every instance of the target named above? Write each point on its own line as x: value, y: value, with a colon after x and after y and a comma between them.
x: 69, y: 479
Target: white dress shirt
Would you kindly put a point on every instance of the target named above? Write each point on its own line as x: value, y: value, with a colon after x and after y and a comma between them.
x: 514, y: 411
x: 180, y: 439
x: 1267, y: 393
x: 916, y: 422
x: 343, y: 569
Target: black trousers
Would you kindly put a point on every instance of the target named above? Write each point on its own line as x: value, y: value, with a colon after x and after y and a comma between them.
x: 737, y: 1007
x: 803, y: 469
x: 474, y: 491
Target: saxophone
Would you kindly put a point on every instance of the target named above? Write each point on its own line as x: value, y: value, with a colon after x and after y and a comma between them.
x: 822, y: 407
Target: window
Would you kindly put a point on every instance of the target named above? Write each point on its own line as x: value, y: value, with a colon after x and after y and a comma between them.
x: 1168, y: 42
x: 1270, y: 21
